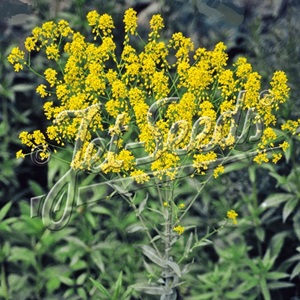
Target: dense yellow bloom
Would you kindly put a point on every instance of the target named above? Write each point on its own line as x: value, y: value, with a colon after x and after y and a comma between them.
x: 218, y: 170
x: 140, y: 176
x: 195, y: 126
x: 179, y: 229
x: 41, y: 89
x: 93, y: 17
x: 52, y: 52
x: 156, y: 24
x: 202, y: 161
x: 130, y: 21
x: 30, y: 43
x: 285, y: 145
x: 106, y: 24
x: 232, y: 215
x: 219, y: 57
x: 20, y: 154
x: 16, y: 58
x: 269, y: 135
x: 50, y: 76
x: 243, y: 68
x: 252, y: 87
x: 291, y: 126
x: 279, y: 90
x: 261, y: 157
x: 276, y: 157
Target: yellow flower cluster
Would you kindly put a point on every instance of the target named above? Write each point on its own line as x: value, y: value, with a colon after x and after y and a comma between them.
x: 178, y: 105
x: 232, y: 215
x: 179, y: 229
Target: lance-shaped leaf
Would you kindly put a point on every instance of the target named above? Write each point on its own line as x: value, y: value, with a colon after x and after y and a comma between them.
x: 153, y: 255
x: 174, y: 266
x: 143, y: 204
x: 151, y: 289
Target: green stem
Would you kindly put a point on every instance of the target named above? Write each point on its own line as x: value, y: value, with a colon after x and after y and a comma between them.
x: 130, y: 201
x: 168, y: 232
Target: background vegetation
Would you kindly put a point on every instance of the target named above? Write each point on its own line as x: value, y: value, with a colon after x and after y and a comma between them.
x: 258, y: 259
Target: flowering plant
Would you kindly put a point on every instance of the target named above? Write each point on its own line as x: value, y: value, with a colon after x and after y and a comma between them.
x: 158, y: 114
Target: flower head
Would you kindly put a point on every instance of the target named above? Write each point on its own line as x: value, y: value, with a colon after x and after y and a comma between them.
x: 179, y: 229
x: 232, y: 215
x: 130, y: 21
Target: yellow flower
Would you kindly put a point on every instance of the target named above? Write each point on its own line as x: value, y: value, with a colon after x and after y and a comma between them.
x: 280, y: 89
x: 179, y: 229
x: 284, y: 146
x: 140, y: 176
x: 52, y: 52
x: 64, y: 28
x: 30, y: 43
x: 18, y: 67
x: 93, y: 17
x: 276, y: 157
x: 130, y: 20
x: 106, y: 24
x: 16, y: 58
x: 181, y: 206
x: 218, y: 170
x: 20, y: 154
x: 156, y: 23
x: 41, y: 89
x: 232, y: 215
x: 201, y: 161
x: 261, y: 157
x: 50, y: 76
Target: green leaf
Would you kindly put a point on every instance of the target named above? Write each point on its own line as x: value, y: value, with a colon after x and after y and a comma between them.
x: 22, y: 254
x: 142, y: 205
x: 127, y: 294
x: 296, y: 271
x: 264, y: 289
x: 276, y: 275
x: 4, y: 210
x: 23, y: 87
x: 252, y: 173
x: 260, y: 233
x: 101, y: 288
x: 276, y: 199
x: 280, y: 285
x: 82, y: 293
x: 149, y: 268
x: 289, y: 207
x: 76, y: 241
x: 118, y: 287
x: 296, y: 223
x: 81, y: 279
x: 174, y: 266
x: 90, y: 219
x: 101, y: 210
x: 134, y: 228
x: 152, y: 255
x: 276, y: 243
x: 188, y: 245
x: 150, y: 289
x: 66, y: 280
x: 52, y: 285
